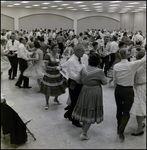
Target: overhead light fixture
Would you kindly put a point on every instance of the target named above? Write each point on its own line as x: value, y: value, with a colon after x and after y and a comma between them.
x: 45, y: 3
x: 122, y: 12
x: 74, y: 9
x: 142, y: 7
x: 16, y: 4
x: 139, y: 9
x: 3, y: 1
x: 114, y: 5
x: 82, y: 5
x: 25, y: 2
x: 69, y: 7
x: 57, y: 1
x: 97, y: 4
x: 134, y: 3
x: 36, y: 5
x: 54, y: 6
x: 84, y: 8
x: 28, y: 6
x: 129, y: 6
x: 78, y: 2
x: 134, y: 11
x: 87, y: 10
x: 44, y: 7
x: 115, y: 1
x: 59, y: 8
x: 10, y: 6
x: 64, y: 4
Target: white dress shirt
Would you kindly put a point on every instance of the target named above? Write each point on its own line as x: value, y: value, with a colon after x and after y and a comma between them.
x: 124, y: 71
x: 114, y: 47
x: 23, y: 52
x: 13, y: 47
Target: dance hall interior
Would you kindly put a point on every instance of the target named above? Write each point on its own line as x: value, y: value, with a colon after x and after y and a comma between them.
x: 64, y: 67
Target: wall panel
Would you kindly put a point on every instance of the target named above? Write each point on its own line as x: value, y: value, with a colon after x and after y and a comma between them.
x: 49, y: 21
x: 7, y: 22
x: 97, y: 22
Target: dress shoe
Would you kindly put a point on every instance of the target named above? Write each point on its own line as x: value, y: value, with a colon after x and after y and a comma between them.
x: 121, y: 137
x: 46, y: 107
x: 84, y: 137
x: 67, y: 117
x: 9, y: 78
x: 18, y: 85
x: 66, y: 108
x: 137, y: 134
x: 27, y: 87
x: 77, y: 124
x: 13, y: 78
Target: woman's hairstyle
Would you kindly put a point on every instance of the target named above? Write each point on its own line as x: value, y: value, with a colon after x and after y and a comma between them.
x: 140, y: 55
x: 36, y: 44
x: 94, y: 59
x: 21, y: 39
x: 53, y: 45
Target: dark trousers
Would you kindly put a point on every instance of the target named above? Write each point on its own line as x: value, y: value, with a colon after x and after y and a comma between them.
x: 112, y: 56
x: 61, y: 48
x: 124, y: 97
x: 105, y: 60
x: 14, y: 64
x: 74, y: 94
x: 22, y: 66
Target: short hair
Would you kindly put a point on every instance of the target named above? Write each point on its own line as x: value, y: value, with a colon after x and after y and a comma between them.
x: 79, y: 46
x: 3, y: 41
x: 123, y: 53
x: 114, y: 38
x: 94, y: 44
x: 53, y: 45
x: 140, y: 55
x: 36, y: 44
x: 121, y: 44
x: 94, y: 59
x: 20, y: 40
x: 42, y: 39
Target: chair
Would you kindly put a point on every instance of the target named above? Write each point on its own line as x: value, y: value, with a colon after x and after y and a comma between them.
x: 12, y: 124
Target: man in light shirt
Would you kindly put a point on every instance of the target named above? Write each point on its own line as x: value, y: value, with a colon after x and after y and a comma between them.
x: 123, y: 77
x: 74, y: 65
x: 12, y: 47
x: 23, y: 57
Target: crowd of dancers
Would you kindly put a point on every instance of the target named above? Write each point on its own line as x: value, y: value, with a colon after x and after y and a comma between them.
x: 91, y: 58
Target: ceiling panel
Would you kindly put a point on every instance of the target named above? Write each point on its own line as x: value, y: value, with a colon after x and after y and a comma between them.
x: 81, y: 6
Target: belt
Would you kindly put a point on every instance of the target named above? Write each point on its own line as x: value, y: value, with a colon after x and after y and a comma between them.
x: 124, y: 86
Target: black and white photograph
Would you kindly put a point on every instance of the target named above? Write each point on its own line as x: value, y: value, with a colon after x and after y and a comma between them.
x: 73, y: 74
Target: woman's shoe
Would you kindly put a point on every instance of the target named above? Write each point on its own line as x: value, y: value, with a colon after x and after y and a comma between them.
x: 84, y: 137
x: 137, y: 134
x: 56, y: 100
x: 46, y: 107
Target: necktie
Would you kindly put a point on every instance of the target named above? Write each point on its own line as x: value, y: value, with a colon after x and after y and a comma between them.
x: 79, y: 59
x: 12, y: 42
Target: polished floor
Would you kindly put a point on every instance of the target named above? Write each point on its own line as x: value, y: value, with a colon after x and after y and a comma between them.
x: 53, y: 131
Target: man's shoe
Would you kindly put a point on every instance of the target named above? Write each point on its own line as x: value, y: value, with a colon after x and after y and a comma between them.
x: 18, y: 85
x: 121, y: 137
x: 137, y: 134
x: 27, y: 87
x: 9, y: 78
x: 77, y: 124
x: 67, y: 117
x: 84, y: 137
x: 67, y: 107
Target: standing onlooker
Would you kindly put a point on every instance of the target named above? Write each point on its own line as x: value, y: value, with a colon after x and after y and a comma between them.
x: 74, y: 65
x: 123, y: 77
x: 139, y: 106
x: 89, y: 107
x: 12, y: 47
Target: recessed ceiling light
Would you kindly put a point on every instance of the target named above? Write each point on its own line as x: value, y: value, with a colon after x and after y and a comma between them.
x: 129, y: 6
x: 36, y: 5
x: 134, y: 3
x: 44, y: 7
x: 97, y: 4
x: 45, y: 3
x: 69, y: 7
x: 64, y: 4
x: 57, y: 1
x: 25, y: 2
x: 73, y: 9
x: 78, y: 2
x: 53, y: 6
x: 28, y: 6
x: 59, y: 8
x: 84, y: 8
x: 114, y: 5
x: 10, y: 6
x: 115, y: 1
x: 82, y: 5
x: 16, y: 4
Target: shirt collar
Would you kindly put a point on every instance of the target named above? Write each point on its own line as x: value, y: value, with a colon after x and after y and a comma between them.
x: 124, y: 60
